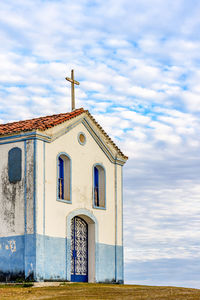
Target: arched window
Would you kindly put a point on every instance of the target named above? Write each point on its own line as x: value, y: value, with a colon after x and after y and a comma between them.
x: 64, y: 177
x: 15, y: 164
x: 99, y: 187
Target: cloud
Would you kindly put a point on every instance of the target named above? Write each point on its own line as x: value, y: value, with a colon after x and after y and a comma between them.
x: 138, y: 67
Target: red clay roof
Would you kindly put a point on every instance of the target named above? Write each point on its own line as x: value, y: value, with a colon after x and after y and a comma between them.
x: 44, y: 123
x: 41, y: 123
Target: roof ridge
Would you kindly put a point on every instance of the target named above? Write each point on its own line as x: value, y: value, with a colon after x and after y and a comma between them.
x: 105, y: 134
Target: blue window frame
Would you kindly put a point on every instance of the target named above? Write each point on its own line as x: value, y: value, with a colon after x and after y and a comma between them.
x: 96, y: 186
x: 61, y: 178
x: 64, y: 178
x: 99, y: 187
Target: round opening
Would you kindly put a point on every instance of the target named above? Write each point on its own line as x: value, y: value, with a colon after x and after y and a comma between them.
x: 82, y: 138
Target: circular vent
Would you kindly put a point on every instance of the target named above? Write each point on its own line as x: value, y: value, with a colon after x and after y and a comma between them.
x: 81, y: 138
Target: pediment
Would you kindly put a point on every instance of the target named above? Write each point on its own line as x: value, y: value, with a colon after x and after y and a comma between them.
x: 98, y: 134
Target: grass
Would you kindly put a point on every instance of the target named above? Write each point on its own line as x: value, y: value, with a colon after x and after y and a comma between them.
x: 81, y: 291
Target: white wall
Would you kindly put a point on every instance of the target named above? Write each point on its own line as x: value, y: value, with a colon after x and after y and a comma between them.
x: 83, y: 158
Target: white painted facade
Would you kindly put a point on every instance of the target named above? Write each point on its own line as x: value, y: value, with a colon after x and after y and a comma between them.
x: 37, y: 208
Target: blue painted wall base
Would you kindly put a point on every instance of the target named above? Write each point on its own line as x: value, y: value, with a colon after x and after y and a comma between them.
x: 107, y: 271
x: 38, y: 257
x: 11, y: 258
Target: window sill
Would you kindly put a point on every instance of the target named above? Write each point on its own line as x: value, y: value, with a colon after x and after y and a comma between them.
x: 99, y: 207
x: 65, y: 201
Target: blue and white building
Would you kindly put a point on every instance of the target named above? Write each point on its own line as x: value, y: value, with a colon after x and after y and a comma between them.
x: 60, y: 200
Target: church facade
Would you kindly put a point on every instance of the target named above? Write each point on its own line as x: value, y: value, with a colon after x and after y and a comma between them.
x: 61, y: 200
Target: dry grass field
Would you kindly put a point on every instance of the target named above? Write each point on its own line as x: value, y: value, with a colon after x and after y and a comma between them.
x: 82, y: 291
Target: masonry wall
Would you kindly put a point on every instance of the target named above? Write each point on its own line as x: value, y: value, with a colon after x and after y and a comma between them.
x: 16, y: 212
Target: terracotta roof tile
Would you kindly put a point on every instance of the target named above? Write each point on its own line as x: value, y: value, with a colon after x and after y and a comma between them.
x: 44, y: 123
x: 41, y: 123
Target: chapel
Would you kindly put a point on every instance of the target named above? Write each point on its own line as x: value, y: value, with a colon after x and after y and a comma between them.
x: 61, y: 200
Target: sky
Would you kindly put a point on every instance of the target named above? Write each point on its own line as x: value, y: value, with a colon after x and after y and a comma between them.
x: 138, y: 64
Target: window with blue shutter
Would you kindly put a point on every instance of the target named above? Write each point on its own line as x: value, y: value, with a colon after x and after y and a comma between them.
x: 64, y: 178
x: 96, y: 186
x: 61, y: 178
x: 14, y: 165
x: 99, y: 186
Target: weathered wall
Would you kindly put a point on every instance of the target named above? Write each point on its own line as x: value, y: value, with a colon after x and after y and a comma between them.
x: 11, y: 196
x: 16, y: 211
x: 30, y: 186
x: 29, y: 217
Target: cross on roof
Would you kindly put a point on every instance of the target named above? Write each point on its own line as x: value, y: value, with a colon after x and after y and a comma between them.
x: 72, y: 88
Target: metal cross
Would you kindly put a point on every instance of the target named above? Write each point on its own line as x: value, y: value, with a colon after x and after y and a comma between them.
x: 72, y: 88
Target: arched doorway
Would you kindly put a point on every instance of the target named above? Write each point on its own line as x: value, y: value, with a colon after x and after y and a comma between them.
x: 79, y: 250
x: 92, y: 226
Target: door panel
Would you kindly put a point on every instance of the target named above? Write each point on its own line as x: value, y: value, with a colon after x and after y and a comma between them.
x: 79, y: 250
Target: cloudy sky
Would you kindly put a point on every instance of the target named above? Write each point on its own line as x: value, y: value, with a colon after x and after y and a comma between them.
x: 138, y: 65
